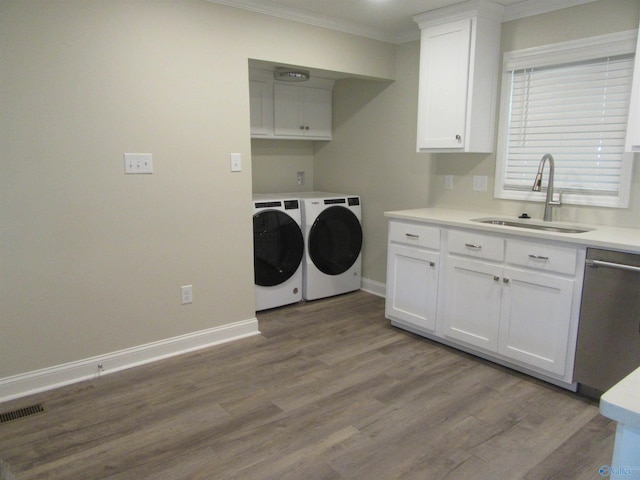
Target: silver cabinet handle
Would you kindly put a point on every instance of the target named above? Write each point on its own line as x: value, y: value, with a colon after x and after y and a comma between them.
x: 458, y: 137
x: 471, y: 245
x: 432, y: 264
x: 538, y: 257
x: 496, y: 278
x: 505, y: 280
x: 412, y: 235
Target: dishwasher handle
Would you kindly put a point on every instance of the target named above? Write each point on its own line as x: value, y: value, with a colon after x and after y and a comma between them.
x: 617, y: 266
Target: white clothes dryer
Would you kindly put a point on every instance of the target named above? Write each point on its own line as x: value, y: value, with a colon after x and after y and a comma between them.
x: 278, y: 247
x: 332, y: 229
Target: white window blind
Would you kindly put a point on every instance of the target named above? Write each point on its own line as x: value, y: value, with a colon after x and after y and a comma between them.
x: 577, y: 111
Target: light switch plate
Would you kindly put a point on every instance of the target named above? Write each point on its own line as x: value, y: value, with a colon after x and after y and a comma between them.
x: 138, y: 163
x: 236, y: 162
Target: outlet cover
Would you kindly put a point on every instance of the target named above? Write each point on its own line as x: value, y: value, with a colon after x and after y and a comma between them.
x: 448, y: 182
x: 187, y: 294
x: 480, y: 183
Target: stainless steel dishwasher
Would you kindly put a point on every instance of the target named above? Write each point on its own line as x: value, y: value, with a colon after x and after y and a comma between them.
x: 609, y: 332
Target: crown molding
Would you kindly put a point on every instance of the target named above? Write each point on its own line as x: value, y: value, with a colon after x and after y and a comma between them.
x: 523, y: 9
x: 529, y: 8
x: 316, y: 20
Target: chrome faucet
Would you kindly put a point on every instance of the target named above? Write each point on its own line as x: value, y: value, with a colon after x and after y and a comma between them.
x: 549, y: 202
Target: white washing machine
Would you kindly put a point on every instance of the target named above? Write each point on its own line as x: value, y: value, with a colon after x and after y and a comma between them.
x: 331, y: 224
x: 278, y: 247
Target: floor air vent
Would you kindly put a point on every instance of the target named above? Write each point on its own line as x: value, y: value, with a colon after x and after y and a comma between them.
x: 21, y: 413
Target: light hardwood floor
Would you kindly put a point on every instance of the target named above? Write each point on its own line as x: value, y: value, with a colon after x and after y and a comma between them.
x: 328, y: 391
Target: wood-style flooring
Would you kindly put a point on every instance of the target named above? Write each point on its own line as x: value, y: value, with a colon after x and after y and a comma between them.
x: 328, y: 391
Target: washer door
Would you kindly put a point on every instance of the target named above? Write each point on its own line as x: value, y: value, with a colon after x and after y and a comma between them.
x: 335, y: 240
x: 277, y: 247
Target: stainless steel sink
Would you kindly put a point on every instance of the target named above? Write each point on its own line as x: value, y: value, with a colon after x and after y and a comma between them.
x: 548, y: 227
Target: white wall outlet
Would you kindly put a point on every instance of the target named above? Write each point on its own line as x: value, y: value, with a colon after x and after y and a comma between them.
x: 300, y: 178
x: 480, y: 183
x: 236, y: 162
x: 187, y: 294
x: 136, y: 163
x: 448, y: 182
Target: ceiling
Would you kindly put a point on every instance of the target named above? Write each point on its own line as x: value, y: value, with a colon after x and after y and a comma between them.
x: 386, y: 20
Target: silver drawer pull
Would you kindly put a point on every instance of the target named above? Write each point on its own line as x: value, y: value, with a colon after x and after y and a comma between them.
x: 432, y: 264
x: 471, y: 245
x: 538, y: 257
x: 412, y: 235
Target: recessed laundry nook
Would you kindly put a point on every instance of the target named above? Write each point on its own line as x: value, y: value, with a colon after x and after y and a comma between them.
x: 266, y: 239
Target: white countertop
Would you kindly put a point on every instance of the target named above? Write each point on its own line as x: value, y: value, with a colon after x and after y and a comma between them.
x: 616, y: 238
x: 622, y: 401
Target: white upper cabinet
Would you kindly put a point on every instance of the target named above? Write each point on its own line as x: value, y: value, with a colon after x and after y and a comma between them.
x: 459, y: 69
x: 302, y: 111
x: 290, y: 111
x: 633, y: 126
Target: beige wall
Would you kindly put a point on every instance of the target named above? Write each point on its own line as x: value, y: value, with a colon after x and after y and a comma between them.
x: 276, y: 164
x: 374, y: 139
x: 91, y: 260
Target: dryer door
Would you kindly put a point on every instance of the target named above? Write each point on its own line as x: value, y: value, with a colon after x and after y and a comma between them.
x: 277, y: 247
x: 335, y: 240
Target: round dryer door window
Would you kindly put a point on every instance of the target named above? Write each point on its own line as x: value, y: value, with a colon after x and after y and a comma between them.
x: 335, y: 240
x: 277, y: 247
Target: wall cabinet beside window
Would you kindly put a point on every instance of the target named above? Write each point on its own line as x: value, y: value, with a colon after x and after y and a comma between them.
x: 459, y: 64
x: 633, y: 126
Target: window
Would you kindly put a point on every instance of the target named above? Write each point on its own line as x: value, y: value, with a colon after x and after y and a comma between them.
x: 570, y: 100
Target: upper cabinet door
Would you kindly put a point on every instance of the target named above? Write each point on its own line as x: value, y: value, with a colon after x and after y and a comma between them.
x: 444, y: 81
x: 261, y: 105
x: 459, y: 70
x: 302, y: 111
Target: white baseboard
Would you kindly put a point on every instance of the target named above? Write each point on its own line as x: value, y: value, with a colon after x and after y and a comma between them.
x: 53, y: 377
x: 377, y: 288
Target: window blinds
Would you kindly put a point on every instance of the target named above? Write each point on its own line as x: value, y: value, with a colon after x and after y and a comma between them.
x: 578, y: 113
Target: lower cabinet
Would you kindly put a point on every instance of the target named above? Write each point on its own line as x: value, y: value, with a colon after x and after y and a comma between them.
x: 515, y: 300
x: 522, y: 315
x: 412, y: 286
x: 472, y: 295
x: 535, y: 317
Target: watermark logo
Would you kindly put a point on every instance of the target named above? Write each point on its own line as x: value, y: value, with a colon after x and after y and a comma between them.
x: 609, y: 471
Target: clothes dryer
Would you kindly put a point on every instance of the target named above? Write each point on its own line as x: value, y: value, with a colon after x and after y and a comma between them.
x: 333, y: 242
x: 278, y: 247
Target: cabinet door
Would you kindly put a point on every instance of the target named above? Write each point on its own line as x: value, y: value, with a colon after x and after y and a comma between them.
x: 412, y: 286
x: 444, y: 78
x: 261, y: 101
x: 302, y: 111
x: 472, y: 303
x: 317, y: 112
x: 535, y: 319
x: 287, y: 111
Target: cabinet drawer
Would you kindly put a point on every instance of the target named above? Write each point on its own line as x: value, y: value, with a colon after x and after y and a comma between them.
x: 414, y: 234
x: 550, y: 258
x: 476, y: 245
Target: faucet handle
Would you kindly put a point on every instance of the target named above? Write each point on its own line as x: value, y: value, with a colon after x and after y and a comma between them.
x: 557, y: 203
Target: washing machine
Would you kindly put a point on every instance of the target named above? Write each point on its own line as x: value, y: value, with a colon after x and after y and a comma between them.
x: 331, y: 225
x: 278, y: 247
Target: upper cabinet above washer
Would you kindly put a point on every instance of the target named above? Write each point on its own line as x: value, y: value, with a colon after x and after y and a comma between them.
x: 459, y: 67
x: 290, y: 111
